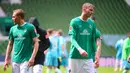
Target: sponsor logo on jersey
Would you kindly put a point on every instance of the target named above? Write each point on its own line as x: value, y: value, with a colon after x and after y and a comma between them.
x: 20, y: 37
x: 85, y: 32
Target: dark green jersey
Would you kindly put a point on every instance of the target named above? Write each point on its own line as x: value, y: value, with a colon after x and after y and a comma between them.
x: 22, y: 36
x: 82, y: 36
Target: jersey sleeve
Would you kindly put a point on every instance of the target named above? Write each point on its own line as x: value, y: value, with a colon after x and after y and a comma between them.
x: 11, y: 35
x: 98, y: 34
x: 72, y: 33
x: 125, y: 47
x: 33, y: 32
x: 72, y: 28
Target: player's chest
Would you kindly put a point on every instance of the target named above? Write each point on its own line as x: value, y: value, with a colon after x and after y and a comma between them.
x: 20, y: 33
x: 84, y: 29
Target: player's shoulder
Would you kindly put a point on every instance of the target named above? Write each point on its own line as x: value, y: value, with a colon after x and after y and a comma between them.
x: 76, y: 19
x: 127, y: 40
x: 29, y: 24
x: 97, y: 30
x: 13, y: 27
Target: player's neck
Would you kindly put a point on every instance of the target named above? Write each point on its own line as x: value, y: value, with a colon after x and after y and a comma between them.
x: 21, y: 22
x: 84, y: 17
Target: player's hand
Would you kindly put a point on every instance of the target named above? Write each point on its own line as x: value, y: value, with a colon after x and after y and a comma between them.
x: 60, y: 59
x: 45, y: 52
x: 31, y: 62
x: 6, y: 64
x: 96, y: 63
x: 97, y: 58
x: 82, y: 52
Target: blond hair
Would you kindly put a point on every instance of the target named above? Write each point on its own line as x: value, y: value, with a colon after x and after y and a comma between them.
x: 87, y: 5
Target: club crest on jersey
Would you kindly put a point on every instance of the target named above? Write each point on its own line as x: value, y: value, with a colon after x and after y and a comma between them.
x: 90, y: 26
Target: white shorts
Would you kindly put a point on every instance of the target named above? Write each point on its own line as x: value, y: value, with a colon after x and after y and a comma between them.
x: 82, y: 66
x: 95, y: 70
x: 21, y: 68
x: 37, y: 68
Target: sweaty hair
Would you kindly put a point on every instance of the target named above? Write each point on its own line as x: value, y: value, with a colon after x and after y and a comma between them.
x: 19, y: 12
x: 87, y: 5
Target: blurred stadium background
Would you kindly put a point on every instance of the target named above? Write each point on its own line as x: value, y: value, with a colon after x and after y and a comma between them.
x: 112, y: 18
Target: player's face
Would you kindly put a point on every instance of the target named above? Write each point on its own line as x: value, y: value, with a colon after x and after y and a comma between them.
x: 89, y: 11
x: 15, y: 18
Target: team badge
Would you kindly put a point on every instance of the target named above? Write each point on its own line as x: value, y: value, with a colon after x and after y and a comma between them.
x: 90, y: 26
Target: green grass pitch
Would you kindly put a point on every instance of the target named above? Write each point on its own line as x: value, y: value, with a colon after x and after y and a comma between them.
x: 100, y: 70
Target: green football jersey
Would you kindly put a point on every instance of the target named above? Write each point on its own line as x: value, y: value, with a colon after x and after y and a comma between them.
x: 22, y: 36
x: 98, y: 34
x: 83, y: 33
x: 126, y: 49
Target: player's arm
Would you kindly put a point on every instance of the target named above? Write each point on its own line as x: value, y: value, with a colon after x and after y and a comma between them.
x: 34, y: 36
x: 72, y: 33
x: 36, y: 45
x: 98, y: 52
x: 8, y: 51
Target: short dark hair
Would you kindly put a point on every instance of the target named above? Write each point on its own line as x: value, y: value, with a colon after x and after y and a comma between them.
x: 19, y: 12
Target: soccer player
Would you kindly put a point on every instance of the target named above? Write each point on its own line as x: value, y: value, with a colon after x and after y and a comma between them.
x: 118, y: 47
x: 126, y: 54
x: 23, y: 39
x: 52, y: 52
x: 44, y: 43
x: 63, y: 50
x: 82, y: 31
